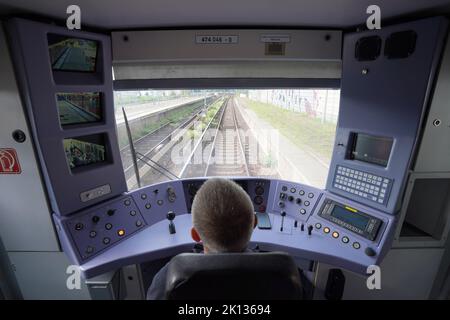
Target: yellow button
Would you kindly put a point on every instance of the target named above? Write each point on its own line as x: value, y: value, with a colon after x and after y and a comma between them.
x: 121, y: 232
x: 335, y: 235
x: 326, y: 230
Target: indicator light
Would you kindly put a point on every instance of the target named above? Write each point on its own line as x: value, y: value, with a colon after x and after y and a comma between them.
x: 350, y: 209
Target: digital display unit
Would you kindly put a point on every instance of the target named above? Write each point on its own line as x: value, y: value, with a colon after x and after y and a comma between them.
x: 78, y: 108
x: 354, y: 219
x: 371, y: 149
x: 72, y: 54
x: 85, y: 150
x: 351, y: 219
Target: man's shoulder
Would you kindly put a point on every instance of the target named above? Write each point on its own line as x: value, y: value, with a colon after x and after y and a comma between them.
x: 157, y: 289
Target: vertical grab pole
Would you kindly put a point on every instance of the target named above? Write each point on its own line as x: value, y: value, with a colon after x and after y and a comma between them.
x: 133, y: 152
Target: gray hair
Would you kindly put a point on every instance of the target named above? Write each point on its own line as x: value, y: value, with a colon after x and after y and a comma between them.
x: 223, y: 215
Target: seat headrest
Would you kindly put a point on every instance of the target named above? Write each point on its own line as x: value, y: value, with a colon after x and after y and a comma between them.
x: 271, y: 275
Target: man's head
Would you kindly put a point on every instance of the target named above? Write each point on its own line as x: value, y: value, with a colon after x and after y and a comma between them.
x: 223, y: 216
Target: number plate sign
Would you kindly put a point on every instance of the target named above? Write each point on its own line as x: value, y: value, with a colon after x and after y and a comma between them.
x: 216, y: 39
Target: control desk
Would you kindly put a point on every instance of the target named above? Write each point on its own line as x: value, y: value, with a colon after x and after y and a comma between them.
x: 307, y: 222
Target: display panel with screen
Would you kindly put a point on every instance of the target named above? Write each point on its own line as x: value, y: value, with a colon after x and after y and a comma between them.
x: 371, y: 149
x: 86, y: 150
x: 354, y: 219
x: 351, y: 219
x: 76, y: 108
x: 72, y: 54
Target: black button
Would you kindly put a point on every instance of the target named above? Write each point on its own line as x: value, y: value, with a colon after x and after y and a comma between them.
x: 291, y: 198
x: 79, y: 226
x: 258, y: 200
x: 284, y: 188
x: 108, y: 226
x: 111, y: 212
x: 370, y: 252
x: 298, y: 201
x: 281, y: 204
x: 259, y: 190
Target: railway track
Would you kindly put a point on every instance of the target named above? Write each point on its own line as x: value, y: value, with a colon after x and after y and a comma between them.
x: 228, y: 154
x: 222, y: 147
x: 157, y: 164
x: 146, y: 145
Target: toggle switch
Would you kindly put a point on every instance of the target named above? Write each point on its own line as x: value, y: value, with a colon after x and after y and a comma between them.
x: 310, y: 229
x: 283, y: 214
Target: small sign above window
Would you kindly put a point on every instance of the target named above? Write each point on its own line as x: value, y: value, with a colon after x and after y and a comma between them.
x: 275, y: 38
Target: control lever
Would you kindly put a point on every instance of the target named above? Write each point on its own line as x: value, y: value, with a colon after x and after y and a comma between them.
x: 310, y: 229
x: 171, y: 216
x: 283, y: 214
x: 302, y: 227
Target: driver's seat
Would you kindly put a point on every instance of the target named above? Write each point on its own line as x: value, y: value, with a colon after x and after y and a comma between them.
x: 272, y: 275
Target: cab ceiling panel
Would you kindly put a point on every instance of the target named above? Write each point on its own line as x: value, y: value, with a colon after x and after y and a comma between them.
x: 200, y: 45
x: 119, y: 14
x: 227, y: 54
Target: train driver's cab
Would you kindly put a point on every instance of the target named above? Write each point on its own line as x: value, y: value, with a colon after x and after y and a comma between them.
x: 336, y: 137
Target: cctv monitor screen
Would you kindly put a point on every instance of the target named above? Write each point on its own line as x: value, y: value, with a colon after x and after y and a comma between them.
x: 79, y: 108
x: 84, y: 151
x: 371, y: 149
x: 72, y: 54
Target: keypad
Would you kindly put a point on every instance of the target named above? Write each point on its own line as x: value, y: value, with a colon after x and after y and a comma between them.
x: 365, y: 185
